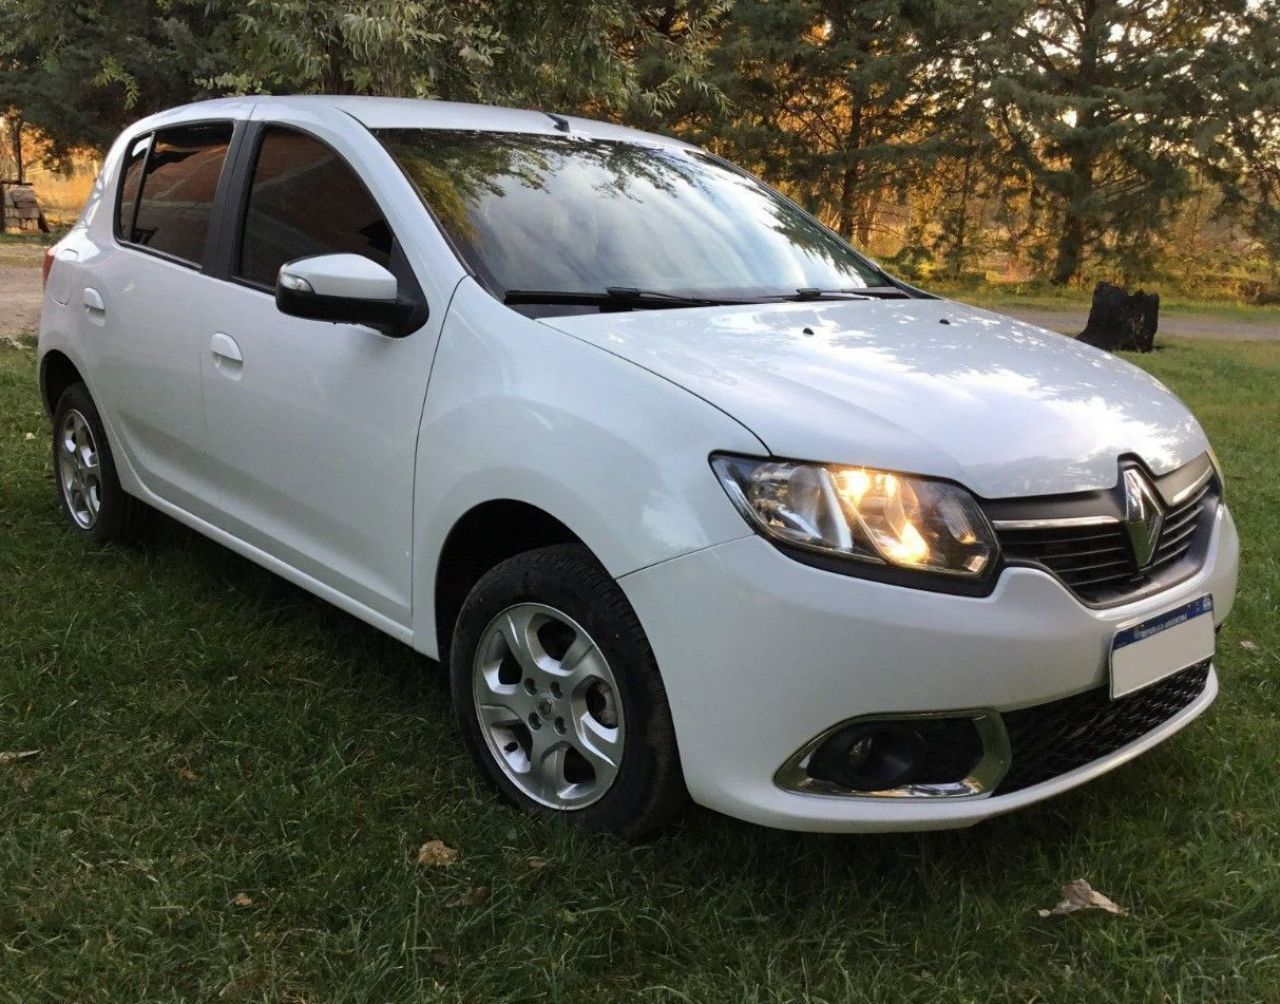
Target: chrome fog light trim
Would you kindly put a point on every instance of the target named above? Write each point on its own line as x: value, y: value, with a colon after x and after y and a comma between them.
x: 996, y: 757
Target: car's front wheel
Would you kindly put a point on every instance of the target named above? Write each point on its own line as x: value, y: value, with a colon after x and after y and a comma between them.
x: 559, y: 698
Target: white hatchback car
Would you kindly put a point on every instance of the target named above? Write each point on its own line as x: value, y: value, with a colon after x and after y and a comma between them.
x: 693, y: 499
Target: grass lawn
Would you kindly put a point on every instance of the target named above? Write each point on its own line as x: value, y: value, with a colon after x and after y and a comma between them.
x: 234, y: 778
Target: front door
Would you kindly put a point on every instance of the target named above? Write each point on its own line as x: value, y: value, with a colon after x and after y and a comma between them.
x: 313, y: 425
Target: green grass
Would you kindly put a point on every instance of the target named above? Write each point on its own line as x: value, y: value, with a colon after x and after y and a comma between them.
x: 33, y: 238
x: 320, y: 755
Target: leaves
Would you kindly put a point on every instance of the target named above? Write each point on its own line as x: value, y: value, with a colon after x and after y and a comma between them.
x: 436, y: 854
x: 11, y: 758
x: 1079, y: 895
x: 475, y: 896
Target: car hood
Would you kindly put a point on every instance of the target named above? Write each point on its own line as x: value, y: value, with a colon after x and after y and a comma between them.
x: 921, y: 386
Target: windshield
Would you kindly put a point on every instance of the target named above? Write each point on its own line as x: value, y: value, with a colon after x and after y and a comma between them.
x: 572, y: 214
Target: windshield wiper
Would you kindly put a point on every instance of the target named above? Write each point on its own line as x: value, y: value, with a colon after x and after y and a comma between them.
x: 618, y: 297
x: 865, y: 292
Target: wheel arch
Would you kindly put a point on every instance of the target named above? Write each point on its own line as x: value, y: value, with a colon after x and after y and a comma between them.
x: 57, y: 373
x: 481, y: 538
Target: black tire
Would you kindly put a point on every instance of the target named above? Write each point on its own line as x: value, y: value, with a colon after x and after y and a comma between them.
x: 119, y: 517
x: 648, y: 790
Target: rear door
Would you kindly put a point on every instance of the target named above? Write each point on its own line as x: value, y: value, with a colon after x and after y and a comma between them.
x: 142, y: 300
x: 313, y: 425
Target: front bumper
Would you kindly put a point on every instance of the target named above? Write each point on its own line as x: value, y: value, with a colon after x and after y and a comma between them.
x: 760, y: 653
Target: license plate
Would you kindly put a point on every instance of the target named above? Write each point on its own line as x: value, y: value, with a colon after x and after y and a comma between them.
x: 1144, y: 653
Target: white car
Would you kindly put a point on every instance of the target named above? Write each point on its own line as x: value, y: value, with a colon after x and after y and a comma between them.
x: 693, y: 500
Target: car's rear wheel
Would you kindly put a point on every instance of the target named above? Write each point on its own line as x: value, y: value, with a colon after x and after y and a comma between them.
x: 559, y: 698
x: 85, y: 471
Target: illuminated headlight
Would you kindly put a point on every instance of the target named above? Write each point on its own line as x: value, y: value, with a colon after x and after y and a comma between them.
x: 863, y: 514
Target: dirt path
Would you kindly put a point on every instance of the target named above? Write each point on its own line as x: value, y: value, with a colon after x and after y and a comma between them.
x: 20, y: 293
x: 20, y: 308
x: 1071, y: 322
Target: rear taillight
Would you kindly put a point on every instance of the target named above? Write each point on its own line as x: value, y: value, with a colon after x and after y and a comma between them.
x: 46, y: 263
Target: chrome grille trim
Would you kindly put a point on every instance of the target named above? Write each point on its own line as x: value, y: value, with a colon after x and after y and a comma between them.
x: 1090, y: 552
x: 1052, y: 523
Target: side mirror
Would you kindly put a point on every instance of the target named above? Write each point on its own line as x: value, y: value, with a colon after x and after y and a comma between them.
x: 344, y: 288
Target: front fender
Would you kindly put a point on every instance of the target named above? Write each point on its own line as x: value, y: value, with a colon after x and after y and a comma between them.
x: 518, y: 410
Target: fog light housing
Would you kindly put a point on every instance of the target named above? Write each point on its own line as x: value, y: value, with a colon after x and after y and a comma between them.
x: 924, y: 755
x: 869, y: 757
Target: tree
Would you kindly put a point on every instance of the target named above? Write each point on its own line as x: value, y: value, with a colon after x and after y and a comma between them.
x: 558, y: 54
x: 847, y: 101
x: 1098, y: 99
x: 1241, y: 143
x: 81, y: 71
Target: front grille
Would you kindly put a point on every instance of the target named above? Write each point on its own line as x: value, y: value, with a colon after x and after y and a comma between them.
x: 1097, y: 563
x: 1051, y: 739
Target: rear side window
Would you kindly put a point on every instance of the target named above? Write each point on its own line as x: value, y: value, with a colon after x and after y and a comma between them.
x: 131, y: 181
x: 178, y: 185
x: 306, y: 200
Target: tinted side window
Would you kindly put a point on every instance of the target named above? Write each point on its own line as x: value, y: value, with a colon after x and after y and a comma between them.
x: 178, y: 187
x: 305, y: 200
x: 131, y: 181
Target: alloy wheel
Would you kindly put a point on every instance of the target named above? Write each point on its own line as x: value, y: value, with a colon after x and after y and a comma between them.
x: 79, y: 471
x: 548, y: 706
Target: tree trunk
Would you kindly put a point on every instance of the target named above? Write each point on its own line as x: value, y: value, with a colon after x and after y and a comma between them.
x: 1066, y: 265
x: 849, y: 182
x: 1071, y: 245
x: 1120, y: 322
x: 866, y: 220
x: 956, y: 254
x: 18, y: 158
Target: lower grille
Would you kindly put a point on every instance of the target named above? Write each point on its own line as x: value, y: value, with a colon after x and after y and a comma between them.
x: 1051, y: 739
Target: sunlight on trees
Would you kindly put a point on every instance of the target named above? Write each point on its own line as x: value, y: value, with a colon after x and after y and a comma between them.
x: 1067, y: 140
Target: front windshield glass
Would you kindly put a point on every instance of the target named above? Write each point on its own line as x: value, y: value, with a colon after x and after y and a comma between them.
x: 572, y: 214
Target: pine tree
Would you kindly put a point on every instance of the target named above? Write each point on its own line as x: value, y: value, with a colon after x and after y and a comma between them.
x: 1098, y: 99
x: 846, y: 100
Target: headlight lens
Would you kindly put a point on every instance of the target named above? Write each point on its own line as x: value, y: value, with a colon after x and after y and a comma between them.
x: 860, y: 513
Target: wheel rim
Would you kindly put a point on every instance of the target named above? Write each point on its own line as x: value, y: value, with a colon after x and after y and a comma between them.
x: 79, y: 472
x: 548, y: 706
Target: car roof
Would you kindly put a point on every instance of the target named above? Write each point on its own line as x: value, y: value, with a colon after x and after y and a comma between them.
x: 414, y: 113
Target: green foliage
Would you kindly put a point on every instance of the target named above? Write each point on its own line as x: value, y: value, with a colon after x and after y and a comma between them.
x: 82, y: 71
x: 604, y: 56
x: 1063, y: 137
x: 1098, y: 100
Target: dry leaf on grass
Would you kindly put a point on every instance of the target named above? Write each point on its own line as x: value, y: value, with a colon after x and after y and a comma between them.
x: 8, y: 758
x: 242, y: 899
x: 477, y: 896
x: 1080, y: 895
x: 536, y: 862
x: 1249, y: 646
x: 435, y: 853
x: 187, y: 774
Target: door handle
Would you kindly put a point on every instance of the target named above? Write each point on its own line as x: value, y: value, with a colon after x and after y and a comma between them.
x: 93, y: 301
x: 225, y: 350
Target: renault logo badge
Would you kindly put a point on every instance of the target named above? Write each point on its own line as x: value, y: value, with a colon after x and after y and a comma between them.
x: 1143, y: 516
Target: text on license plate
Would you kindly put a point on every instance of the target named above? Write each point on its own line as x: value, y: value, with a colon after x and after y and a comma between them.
x: 1146, y: 652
